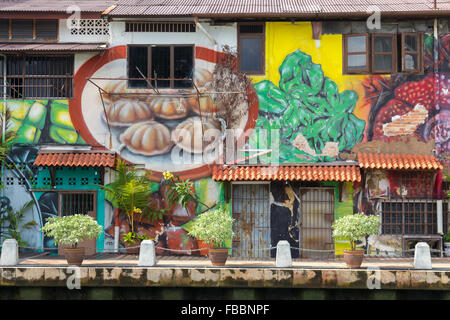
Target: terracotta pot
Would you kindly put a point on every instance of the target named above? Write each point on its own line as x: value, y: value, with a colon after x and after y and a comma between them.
x: 204, y: 246
x: 218, y: 256
x: 74, y: 256
x: 353, y: 259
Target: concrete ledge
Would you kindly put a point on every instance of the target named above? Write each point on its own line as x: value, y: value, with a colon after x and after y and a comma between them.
x: 226, y: 277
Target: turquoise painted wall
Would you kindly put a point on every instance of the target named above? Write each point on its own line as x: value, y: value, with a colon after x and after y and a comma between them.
x: 74, y: 178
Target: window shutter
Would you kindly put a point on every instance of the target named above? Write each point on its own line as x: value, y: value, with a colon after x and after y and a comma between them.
x: 22, y: 29
x: 46, y: 29
x: 4, y: 28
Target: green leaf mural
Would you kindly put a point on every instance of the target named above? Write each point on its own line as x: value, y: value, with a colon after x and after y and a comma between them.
x: 306, y: 102
x: 42, y: 121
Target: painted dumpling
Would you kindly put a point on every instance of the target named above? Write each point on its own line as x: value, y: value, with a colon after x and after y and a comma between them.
x: 203, y: 105
x: 126, y: 112
x: 169, y: 107
x: 196, y: 136
x: 148, y: 138
x: 203, y: 78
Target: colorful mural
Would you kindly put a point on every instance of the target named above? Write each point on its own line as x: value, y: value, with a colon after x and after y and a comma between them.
x: 161, y: 129
x: 38, y: 122
x: 316, y: 121
x: 320, y: 115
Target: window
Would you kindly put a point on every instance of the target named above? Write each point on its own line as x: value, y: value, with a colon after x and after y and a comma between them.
x: 76, y: 203
x: 410, y: 217
x: 28, y: 29
x: 34, y: 76
x: 382, y: 53
x: 164, y: 63
x: 160, y: 27
x: 356, y: 57
x: 251, y: 48
x: 411, y: 53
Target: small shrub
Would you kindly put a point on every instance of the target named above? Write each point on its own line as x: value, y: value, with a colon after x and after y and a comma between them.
x: 70, y: 230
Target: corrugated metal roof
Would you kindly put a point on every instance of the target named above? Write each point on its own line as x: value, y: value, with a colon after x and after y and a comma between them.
x: 398, y: 161
x: 272, y: 7
x: 287, y: 173
x: 54, y: 5
x: 13, y: 47
x: 75, y: 159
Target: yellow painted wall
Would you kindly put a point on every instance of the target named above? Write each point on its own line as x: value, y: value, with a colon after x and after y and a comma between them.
x: 283, y: 38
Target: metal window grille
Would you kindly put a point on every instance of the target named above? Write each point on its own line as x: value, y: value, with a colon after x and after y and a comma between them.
x: 410, y: 217
x: 34, y: 76
x: 76, y: 203
x: 160, y: 27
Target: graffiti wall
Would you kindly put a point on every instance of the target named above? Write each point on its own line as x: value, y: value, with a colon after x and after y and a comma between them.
x: 322, y: 113
x: 319, y: 113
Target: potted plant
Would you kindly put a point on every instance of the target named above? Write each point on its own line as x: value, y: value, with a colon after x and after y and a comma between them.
x: 447, y: 244
x: 353, y: 228
x: 131, y: 194
x: 214, y: 227
x: 71, y: 230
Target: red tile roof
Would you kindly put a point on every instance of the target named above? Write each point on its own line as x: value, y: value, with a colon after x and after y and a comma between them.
x: 398, y: 161
x: 278, y: 8
x: 75, y: 159
x: 287, y: 173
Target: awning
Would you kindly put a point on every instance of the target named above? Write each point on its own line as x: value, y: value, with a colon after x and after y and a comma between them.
x: 75, y: 159
x: 314, y: 172
x: 398, y: 161
x: 45, y: 47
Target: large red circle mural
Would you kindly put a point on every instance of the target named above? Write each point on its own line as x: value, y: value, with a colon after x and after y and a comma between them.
x: 144, y: 127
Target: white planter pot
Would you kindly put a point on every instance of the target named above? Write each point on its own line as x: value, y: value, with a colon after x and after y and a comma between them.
x: 447, y: 249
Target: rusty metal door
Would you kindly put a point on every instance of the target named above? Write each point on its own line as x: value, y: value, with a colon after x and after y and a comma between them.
x: 316, y: 219
x: 251, y: 211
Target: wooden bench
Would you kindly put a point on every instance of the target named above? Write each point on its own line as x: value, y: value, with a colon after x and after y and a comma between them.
x: 423, y: 238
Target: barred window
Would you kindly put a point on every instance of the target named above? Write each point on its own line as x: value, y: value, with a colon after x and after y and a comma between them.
x: 35, y: 76
x: 410, y: 217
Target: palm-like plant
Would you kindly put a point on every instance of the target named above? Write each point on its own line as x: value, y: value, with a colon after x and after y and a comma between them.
x: 130, y: 193
x: 14, y: 219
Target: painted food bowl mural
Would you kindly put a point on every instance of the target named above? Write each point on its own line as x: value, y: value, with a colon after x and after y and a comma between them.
x: 163, y: 129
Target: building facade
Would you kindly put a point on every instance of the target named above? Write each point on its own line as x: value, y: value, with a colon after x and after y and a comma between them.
x: 343, y: 115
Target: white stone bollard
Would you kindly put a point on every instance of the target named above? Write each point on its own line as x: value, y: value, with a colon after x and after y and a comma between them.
x: 10, y: 253
x: 284, y: 259
x: 422, y: 256
x: 147, y: 254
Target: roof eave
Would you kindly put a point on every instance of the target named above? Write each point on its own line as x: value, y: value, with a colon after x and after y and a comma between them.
x: 313, y: 15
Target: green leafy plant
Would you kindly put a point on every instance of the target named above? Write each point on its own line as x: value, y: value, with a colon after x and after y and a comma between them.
x: 71, y: 230
x: 306, y: 102
x: 355, y: 227
x: 214, y: 227
x: 180, y: 191
x: 447, y: 237
x: 130, y: 193
x: 14, y: 219
x: 132, y: 237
